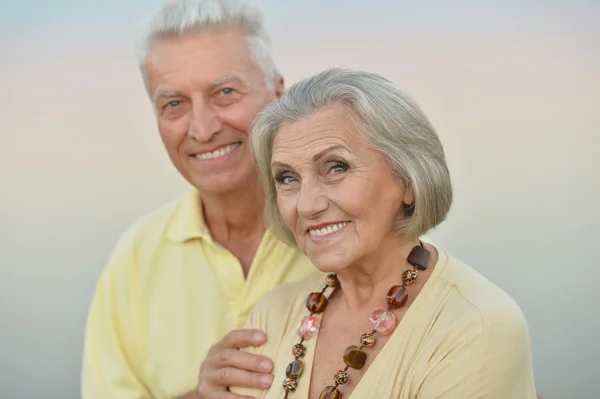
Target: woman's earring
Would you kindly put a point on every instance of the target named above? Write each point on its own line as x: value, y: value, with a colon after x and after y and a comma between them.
x: 408, y: 209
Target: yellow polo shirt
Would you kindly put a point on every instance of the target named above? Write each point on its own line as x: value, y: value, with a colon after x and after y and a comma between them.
x: 167, y: 295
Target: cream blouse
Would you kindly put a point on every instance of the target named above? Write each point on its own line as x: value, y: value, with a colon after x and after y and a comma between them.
x: 463, y: 337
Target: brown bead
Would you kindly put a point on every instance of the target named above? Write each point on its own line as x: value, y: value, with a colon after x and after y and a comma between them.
x: 410, y: 276
x: 419, y: 257
x: 367, y: 340
x: 396, y: 297
x: 331, y: 280
x: 355, y: 357
x: 294, y: 369
x: 340, y: 377
x: 290, y: 384
x: 331, y: 393
x: 316, y: 302
x: 298, y: 350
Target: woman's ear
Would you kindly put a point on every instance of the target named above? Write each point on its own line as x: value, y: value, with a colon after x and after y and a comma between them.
x: 409, y: 194
x: 408, y: 201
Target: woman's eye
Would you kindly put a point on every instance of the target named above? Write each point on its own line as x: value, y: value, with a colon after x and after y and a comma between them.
x: 339, y: 167
x: 285, y: 179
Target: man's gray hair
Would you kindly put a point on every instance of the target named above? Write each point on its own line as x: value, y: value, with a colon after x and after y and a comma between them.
x: 181, y: 17
x: 391, y: 123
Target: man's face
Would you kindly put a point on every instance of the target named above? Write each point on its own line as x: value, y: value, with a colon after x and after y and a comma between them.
x: 206, y: 92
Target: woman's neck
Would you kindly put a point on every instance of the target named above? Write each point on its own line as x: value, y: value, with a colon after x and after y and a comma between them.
x: 365, y: 284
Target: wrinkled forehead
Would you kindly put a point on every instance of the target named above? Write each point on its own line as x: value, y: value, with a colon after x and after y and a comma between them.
x: 330, y: 128
x: 200, y: 59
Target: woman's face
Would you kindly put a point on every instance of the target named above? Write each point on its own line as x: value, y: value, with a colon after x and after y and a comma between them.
x: 336, y: 194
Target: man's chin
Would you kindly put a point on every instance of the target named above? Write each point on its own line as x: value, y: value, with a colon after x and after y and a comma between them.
x: 220, y: 185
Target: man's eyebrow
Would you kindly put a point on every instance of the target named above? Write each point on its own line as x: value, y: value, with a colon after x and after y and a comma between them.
x: 223, y: 80
x: 167, y: 93
x: 212, y: 85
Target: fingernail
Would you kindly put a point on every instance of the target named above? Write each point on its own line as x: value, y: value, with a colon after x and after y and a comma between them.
x: 259, y: 336
x: 265, y: 366
x: 266, y: 379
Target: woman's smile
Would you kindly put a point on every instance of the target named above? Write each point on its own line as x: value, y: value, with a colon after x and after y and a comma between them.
x: 326, y: 231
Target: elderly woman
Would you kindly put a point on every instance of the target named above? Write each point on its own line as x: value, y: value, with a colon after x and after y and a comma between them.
x: 354, y: 174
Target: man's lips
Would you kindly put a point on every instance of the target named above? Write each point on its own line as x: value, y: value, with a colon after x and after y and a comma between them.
x: 219, y: 152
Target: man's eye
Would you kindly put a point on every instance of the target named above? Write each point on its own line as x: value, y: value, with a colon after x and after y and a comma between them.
x: 227, y: 90
x: 173, y: 104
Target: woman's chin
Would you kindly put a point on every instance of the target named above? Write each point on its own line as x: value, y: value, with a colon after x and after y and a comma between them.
x: 329, y: 264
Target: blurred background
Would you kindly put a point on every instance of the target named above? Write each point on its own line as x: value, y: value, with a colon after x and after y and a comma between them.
x: 513, y: 88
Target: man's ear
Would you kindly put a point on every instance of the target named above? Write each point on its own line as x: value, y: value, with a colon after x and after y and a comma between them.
x: 279, y: 88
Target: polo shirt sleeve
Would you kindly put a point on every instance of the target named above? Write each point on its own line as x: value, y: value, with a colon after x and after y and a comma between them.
x: 486, y: 355
x: 110, y: 359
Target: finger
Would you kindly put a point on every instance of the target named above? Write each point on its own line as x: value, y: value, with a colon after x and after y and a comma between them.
x: 233, y: 377
x: 236, y: 358
x: 242, y: 338
x: 212, y: 394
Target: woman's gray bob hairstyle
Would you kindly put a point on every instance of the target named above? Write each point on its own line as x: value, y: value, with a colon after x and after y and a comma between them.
x: 391, y: 122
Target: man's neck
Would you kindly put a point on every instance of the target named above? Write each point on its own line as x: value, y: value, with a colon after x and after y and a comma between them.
x: 236, y: 222
x: 238, y: 213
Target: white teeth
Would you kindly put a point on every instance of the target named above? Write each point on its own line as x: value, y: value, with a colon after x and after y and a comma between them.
x: 327, y: 230
x: 218, y: 153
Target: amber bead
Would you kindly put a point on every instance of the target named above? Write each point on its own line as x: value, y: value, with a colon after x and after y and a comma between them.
x: 355, y: 357
x: 340, y: 377
x: 298, y: 350
x: 410, y: 276
x: 290, y: 384
x: 367, y: 340
x: 331, y: 393
x: 396, y: 297
x: 294, y: 369
x: 316, y: 302
x: 331, y: 280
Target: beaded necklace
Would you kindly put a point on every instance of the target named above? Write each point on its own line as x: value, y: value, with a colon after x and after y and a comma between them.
x: 382, y: 322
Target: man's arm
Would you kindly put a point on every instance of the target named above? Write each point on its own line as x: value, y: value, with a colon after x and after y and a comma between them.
x: 110, y: 361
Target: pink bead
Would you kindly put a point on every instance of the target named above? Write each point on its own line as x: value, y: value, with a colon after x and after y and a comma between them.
x: 383, y: 321
x: 307, y: 327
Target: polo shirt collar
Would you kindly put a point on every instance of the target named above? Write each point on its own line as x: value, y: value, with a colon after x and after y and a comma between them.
x: 187, y: 221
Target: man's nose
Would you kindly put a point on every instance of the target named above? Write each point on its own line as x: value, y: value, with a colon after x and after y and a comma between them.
x: 204, y: 123
x: 312, y: 200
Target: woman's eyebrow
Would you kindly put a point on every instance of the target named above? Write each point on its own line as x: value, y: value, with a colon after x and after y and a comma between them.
x: 324, y: 152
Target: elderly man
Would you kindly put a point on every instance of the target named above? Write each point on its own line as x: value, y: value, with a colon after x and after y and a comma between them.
x: 188, y: 273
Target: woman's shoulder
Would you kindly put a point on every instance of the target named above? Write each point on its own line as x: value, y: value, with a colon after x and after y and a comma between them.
x: 478, y: 297
x: 477, y: 327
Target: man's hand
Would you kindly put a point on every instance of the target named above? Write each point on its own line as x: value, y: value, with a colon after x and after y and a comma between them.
x: 225, y: 365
